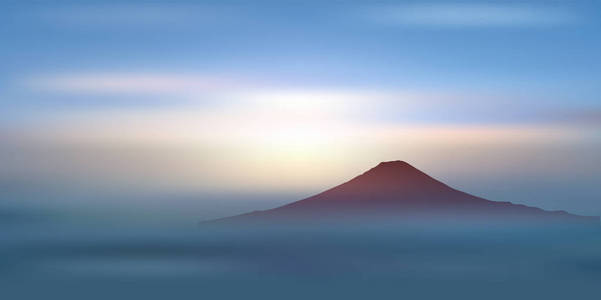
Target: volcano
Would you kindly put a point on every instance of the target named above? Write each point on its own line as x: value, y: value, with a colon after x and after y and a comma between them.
x: 395, y: 190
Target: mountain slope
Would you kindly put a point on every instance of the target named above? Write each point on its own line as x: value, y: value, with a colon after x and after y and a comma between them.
x: 399, y: 191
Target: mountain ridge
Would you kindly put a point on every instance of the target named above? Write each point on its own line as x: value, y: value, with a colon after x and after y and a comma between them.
x: 397, y: 190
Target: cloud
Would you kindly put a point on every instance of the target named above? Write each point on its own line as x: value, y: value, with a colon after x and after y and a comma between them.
x: 128, y: 83
x: 585, y: 116
x: 269, y: 100
x: 461, y: 15
x: 233, y: 91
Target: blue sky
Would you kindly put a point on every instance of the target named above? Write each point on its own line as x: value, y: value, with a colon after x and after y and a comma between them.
x: 551, y: 55
x: 292, y: 83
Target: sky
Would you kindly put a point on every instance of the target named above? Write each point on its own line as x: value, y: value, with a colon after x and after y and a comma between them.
x: 205, y: 108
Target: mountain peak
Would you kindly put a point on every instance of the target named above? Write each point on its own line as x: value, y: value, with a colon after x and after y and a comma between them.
x: 393, y: 164
x: 397, y: 173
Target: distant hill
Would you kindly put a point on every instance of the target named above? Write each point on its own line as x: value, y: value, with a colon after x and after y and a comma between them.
x: 397, y: 191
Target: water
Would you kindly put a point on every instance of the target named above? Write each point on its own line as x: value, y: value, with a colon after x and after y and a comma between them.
x: 118, y: 261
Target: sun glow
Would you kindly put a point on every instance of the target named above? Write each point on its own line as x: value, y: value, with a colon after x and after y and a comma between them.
x: 271, y: 139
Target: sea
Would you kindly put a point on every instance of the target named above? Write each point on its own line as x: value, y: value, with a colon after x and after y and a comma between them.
x: 49, y: 259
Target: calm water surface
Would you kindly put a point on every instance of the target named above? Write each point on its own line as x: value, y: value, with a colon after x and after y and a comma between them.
x: 69, y: 261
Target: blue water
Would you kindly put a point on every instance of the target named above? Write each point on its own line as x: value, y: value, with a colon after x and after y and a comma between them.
x: 46, y: 260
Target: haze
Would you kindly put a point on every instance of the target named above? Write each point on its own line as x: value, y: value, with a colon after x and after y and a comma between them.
x: 217, y: 108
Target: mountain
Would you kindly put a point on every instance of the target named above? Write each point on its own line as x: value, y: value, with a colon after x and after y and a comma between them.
x: 397, y: 191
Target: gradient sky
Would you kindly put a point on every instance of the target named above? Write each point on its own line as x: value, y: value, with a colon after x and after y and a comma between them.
x: 225, y: 100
